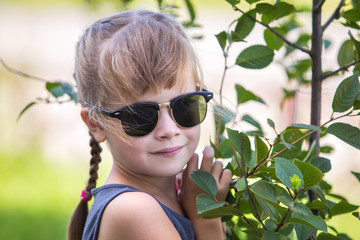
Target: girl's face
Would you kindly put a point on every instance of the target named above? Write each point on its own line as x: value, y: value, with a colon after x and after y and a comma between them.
x: 162, y: 153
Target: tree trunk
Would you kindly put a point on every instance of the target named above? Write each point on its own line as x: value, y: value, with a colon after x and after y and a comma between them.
x: 316, y: 62
x: 316, y: 50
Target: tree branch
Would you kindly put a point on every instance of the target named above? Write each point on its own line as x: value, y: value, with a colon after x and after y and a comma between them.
x: 275, y: 32
x: 320, y: 4
x: 333, y: 16
x: 340, y: 69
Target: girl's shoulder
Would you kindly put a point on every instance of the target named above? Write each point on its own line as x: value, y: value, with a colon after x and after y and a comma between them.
x: 134, y: 215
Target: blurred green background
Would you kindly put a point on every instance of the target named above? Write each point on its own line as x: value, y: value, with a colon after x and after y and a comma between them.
x: 44, y: 156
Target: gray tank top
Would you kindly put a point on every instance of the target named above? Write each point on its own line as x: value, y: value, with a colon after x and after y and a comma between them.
x: 104, y: 194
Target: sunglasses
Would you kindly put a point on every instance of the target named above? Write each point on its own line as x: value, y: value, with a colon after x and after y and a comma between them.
x: 140, y: 119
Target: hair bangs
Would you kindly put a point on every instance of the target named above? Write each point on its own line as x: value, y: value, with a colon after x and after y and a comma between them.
x: 146, y: 55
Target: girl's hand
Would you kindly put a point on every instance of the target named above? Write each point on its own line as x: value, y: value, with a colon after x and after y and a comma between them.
x: 204, y: 228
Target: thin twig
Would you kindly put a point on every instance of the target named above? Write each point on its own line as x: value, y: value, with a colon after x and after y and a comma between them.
x: 333, y: 16
x: 221, y: 95
x: 275, y: 32
x: 285, y: 215
x: 25, y: 75
x: 340, y: 69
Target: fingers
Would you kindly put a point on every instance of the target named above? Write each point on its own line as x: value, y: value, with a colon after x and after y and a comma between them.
x: 207, y: 161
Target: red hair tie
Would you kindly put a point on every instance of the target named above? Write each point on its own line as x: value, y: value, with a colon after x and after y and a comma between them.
x: 84, y: 197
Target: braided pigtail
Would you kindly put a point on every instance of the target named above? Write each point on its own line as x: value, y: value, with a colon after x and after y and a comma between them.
x: 78, y: 219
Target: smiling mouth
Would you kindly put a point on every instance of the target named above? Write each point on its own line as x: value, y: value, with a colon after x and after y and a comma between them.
x: 168, y: 152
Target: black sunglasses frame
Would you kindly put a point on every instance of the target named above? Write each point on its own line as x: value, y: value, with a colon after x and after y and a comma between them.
x: 208, y: 95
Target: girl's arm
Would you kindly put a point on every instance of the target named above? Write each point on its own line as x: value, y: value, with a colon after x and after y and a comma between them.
x: 136, y: 216
x: 205, y: 229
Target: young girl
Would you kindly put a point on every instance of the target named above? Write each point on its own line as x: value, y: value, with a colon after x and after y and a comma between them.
x: 140, y: 85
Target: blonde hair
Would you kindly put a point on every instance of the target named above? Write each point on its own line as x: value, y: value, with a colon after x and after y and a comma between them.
x: 127, y: 54
x: 118, y: 59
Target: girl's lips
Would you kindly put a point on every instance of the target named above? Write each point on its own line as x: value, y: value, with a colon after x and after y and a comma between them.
x: 168, y: 152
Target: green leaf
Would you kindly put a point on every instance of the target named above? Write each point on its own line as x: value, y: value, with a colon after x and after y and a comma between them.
x: 327, y: 236
x: 240, y: 184
x: 356, y: 174
x: 303, y: 126
x: 288, y: 137
x: 245, y: 24
x: 356, y: 4
x: 234, y: 37
x: 311, y: 174
x: 327, y: 43
x: 205, y: 181
x: 268, y: 208
x: 311, y: 221
x: 244, y: 95
x: 241, y: 144
x: 25, y: 109
x: 233, y: 2
x: 285, y: 170
x: 271, y: 123
x: 342, y: 207
x: 255, y: 57
x: 222, y: 150
x: 190, y: 9
x: 352, y: 15
x: 279, y: 10
x: 271, y: 235
x: 346, y: 53
x: 261, y: 149
x: 302, y: 231
x: 222, y: 38
x: 205, y: 203
x: 356, y: 214
x: 301, y: 210
x: 346, y: 132
x: 272, y: 40
x: 222, y: 116
x: 252, y: 1
x: 356, y: 44
x: 311, y: 153
x: 295, y: 181
x: 357, y: 102
x: 346, y: 94
x: 321, y: 163
x: 250, y: 120
x: 221, y: 211
x: 265, y: 8
x: 326, y: 149
x: 59, y: 89
x: 265, y: 190
x: 317, y: 205
x: 266, y: 171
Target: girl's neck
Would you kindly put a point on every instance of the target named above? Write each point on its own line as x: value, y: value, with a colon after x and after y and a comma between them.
x: 159, y: 187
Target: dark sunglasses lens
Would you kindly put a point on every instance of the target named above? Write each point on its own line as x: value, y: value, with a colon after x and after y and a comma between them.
x: 190, y: 111
x: 139, y: 121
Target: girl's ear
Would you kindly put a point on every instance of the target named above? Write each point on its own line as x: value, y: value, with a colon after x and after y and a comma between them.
x: 94, y: 127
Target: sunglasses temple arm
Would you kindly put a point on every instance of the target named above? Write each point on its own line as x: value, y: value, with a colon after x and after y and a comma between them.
x: 99, y: 110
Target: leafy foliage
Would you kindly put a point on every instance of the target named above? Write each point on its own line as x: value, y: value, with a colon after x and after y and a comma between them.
x: 272, y: 195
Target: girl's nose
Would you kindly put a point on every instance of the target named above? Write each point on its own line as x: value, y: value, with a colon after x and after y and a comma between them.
x: 166, y: 126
